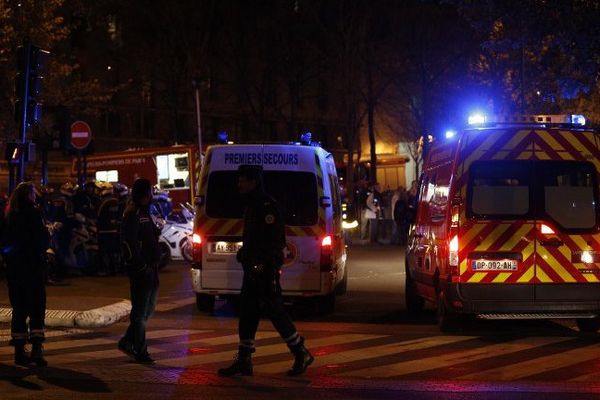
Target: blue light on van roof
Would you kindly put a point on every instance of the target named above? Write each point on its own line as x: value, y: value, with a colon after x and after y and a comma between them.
x: 450, y: 134
x: 578, y: 119
x: 306, y: 138
x: 476, y: 119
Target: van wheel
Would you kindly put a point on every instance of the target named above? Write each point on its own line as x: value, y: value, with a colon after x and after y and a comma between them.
x: 342, y: 287
x: 446, y: 319
x: 205, y: 303
x: 414, y: 302
x: 326, y: 304
x: 588, y: 325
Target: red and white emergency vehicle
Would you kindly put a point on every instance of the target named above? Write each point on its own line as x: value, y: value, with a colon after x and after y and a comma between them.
x: 303, y: 180
x: 508, y: 223
x: 175, y: 169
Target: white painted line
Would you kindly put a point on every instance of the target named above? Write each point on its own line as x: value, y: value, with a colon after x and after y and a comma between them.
x: 446, y: 360
x: 367, y: 353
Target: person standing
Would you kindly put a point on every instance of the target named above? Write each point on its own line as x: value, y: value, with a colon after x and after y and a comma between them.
x: 262, y: 257
x: 26, y: 240
x: 373, y: 213
x: 141, y: 254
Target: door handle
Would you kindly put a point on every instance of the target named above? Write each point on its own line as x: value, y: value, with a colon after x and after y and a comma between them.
x: 552, y: 242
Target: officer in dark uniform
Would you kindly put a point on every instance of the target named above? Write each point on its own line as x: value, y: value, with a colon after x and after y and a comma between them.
x: 25, y: 241
x: 261, y: 257
x: 141, y: 253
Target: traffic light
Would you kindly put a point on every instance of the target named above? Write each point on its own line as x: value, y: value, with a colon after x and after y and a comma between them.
x: 28, y: 84
x: 13, y: 152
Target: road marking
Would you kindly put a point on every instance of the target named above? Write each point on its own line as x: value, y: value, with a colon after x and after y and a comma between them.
x: 367, y: 353
x: 168, y: 305
x: 268, y: 350
x: 538, y: 365
x: 185, y: 344
x: 447, y: 360
x: 71, y: 343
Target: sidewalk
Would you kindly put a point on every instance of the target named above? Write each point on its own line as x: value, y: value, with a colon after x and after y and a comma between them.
x: 81, y: 303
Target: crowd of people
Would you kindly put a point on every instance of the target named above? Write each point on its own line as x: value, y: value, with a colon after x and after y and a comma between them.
x: 83, y: 226
x: 385, y: 216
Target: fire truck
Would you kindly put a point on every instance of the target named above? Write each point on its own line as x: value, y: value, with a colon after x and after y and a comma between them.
x: 175, y: 169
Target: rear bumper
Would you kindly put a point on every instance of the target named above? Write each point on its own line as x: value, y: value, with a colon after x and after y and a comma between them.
x: 327, y: 287
x: 567, y: 298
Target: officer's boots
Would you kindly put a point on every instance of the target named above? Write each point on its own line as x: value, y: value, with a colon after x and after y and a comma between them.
x: 21, y: 356
x: 37, y: 355
x: 302, y: 359
x: 242, y: 365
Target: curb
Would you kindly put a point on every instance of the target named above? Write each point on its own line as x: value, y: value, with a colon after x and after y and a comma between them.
x: 95, y: 318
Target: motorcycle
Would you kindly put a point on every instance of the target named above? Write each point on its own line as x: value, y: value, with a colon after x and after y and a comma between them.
x: 177, y: 233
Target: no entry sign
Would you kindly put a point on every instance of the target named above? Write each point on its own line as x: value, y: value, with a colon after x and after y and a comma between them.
x: 81, y: 135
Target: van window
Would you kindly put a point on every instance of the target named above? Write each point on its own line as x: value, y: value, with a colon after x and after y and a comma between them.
x: 563, y: 192
x: 499, y: 189
x: 568, y: 193
x: 295, y: 193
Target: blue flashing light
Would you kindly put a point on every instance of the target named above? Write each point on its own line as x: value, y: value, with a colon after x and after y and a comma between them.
x: 306, y: 138
x: 450, y: 134
x: 476, y: 119
x: 222, y: 137
x: 578, y: 119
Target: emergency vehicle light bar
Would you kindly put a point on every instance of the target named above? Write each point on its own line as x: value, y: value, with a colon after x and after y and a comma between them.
x: 566, y: 119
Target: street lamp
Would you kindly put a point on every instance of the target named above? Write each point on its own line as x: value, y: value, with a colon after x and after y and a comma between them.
x: 196, y: 84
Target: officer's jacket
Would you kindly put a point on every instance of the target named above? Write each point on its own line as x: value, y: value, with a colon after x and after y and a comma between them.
x: 26, y: 238
x: 264, y: 232
x: 139, y: 239
x: 108, y: 215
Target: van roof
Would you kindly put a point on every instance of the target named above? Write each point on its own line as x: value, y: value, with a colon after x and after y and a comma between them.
x: 270, y: 156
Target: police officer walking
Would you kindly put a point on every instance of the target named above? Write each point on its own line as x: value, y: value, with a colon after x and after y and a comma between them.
x: 261, y: 257
x: 26, y: 240
x: 139, y: 239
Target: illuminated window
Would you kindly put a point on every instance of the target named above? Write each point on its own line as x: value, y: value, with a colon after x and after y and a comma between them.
x: 107, y: 176
x: 173, y: 171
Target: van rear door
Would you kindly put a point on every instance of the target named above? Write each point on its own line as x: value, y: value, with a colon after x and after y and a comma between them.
x: 497, y: 242
x: 568, y: 249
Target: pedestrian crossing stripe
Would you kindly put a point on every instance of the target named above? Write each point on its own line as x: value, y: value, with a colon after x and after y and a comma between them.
x: 183, y: 355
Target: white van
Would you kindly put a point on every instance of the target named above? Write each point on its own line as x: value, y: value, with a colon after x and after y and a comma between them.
x: 303, y: 180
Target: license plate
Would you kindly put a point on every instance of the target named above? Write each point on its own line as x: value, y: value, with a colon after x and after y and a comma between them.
x: 225, y: 247
x: 494, y: 265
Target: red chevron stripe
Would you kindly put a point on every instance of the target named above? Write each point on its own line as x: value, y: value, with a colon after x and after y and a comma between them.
x: 521, y: 147
x: 508, y: 234
x: 546, y: 148
x: 592, y: 147
x: 544, y: 266
x: 216, y: 227
x: 566, y: 144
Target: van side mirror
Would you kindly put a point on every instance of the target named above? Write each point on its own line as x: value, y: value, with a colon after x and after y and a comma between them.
x: 325, y: 201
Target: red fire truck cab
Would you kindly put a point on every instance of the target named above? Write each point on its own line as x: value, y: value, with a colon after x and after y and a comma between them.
x: 175, y: 169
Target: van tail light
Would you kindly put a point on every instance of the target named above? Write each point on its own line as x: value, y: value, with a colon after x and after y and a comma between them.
x: 327, y: 253
x: 453, y: 260
x: 453, y: 255
x: 546, y: 230
x: 197, y: 250
x: 197, y: 239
